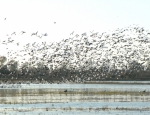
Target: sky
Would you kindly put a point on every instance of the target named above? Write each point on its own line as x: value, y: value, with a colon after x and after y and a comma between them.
x: 70, y: 15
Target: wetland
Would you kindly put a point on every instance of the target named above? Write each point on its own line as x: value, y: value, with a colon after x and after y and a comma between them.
x: 62, y: 99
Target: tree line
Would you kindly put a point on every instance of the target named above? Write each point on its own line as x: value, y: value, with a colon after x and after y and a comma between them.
x: 12, y: 71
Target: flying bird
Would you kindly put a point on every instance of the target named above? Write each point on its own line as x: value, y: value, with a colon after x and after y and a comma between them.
x: 72, y: 33
x: 23, y: 32
x: 34, y: 33
x: 84, y: 34
x: 45, y: 34
x: 13, y: 33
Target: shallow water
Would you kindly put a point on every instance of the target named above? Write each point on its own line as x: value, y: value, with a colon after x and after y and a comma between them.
x: 74, y: 108
x: 72, y: 104
x: 80, y: 105
x: 80, y: 86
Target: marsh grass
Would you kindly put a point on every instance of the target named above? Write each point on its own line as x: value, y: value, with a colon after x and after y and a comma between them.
x: 105, y: 107
x: 29, y: 95
x: 32, y: 92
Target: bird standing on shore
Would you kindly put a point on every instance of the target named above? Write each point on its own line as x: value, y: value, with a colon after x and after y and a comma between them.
x: 65, y: 91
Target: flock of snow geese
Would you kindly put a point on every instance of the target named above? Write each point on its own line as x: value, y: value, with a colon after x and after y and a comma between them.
x: 113, y: 50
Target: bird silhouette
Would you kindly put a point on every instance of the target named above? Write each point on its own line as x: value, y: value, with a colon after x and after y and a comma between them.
x: 22, y: 32
x: 65, y: 91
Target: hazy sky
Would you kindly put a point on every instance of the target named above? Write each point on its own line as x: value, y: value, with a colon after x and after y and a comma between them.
x: 71, y: 15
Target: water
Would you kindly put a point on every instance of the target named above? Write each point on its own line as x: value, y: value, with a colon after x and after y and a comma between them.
x: 73, y: 103
x: 88, y: 108
x: 81, y: 86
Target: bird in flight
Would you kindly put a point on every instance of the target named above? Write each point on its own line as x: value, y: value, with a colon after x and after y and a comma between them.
x: 23, y: 32
x: 13, y: 33
x: 45, y: 34
x: 34, y: 33
x: 72, y: 33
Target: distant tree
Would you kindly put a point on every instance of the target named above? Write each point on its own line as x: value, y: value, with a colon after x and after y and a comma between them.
x: 135, y: 66
x: 3, y: 59
x: 4, y: 70
x: 148, y: 65
x: 12, y: 65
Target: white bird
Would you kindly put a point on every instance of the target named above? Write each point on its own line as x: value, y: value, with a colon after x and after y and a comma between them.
x: 72, y: 33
